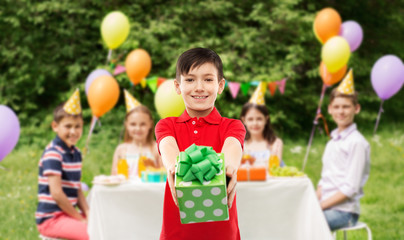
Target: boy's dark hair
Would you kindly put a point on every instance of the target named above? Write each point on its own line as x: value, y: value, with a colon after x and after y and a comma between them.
x: 353, y: 97
x: 196, y: 57
x: 59, y: 113
x: 268, y: 133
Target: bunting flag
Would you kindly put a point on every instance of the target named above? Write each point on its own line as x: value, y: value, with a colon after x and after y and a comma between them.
x: 245, y: 87
x: 119, y: 69
x: 160, y: 80
x: 272, y: 87
x: 281, y: 85
x: 152, y: 83
x: 143, y: 83
x: 234, y: 89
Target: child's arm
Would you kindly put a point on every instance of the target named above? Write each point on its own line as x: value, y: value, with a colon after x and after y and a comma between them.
x: 233, y: 152
x: 169, y: 151
x: 335, y: 199
x: 55, y: 187
x: 82, y: 202
x: 277, y: 148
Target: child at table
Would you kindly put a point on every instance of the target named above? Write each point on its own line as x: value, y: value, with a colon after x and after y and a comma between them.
x: 261, y: 143
x: 59, y: 186
x: 199, y: 78
x: 139, y: 143
x: 346, y: 160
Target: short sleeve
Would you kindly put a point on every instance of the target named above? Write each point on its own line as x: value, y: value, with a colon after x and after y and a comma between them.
x: 237, y: 130
x: 51, y: 163
x: 164, y: 128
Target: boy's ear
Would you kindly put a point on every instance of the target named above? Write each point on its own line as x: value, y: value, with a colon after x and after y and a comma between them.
x: 357, y: 108
x: 54, y: 126
x: 222, y: 83
x: 177, y: 86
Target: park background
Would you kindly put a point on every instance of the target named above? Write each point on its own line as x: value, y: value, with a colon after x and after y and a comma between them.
x: 48, y: 48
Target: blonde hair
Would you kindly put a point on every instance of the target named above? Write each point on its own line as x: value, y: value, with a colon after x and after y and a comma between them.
x: 150, y: 135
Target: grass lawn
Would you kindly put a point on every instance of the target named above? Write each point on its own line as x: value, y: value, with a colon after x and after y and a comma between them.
x: 382, y: 206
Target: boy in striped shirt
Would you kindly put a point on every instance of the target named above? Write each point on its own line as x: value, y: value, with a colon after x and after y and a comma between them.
x: 59, y: 185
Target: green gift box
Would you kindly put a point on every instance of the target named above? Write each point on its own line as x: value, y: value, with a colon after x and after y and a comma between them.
x: 200, y: 183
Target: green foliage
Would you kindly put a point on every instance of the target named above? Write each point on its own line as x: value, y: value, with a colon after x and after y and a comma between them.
x: 48, y: 48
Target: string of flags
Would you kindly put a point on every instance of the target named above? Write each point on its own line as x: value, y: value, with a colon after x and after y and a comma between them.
x: 154, y: 82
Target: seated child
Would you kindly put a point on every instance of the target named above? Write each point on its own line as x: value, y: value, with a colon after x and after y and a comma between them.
x: 59, y: 186
x: 346, y: 161
x: 139, y: 140
x: 260, y: 141
x: 199, y: 80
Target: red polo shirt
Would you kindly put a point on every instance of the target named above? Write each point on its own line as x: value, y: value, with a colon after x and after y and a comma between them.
x: 211, y: 130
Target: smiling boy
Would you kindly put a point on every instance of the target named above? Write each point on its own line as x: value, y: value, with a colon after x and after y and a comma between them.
x: 199, y: 79
x: 346, y: 160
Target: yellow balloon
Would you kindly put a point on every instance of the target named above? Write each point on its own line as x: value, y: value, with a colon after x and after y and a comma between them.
x: 335, y: 53
x: 168, y: 103
x: 115, y: 29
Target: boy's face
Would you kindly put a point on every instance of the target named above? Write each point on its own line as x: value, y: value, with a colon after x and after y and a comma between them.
x: 343, y: 111
x: 199, y: 89
x: 69, y: 129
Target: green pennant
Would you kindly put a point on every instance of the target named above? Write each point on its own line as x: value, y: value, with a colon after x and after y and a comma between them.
x: 244, y: 88
x: 152, y: 83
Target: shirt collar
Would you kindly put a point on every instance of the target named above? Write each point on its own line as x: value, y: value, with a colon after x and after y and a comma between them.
x: 213, y: 117
x: 345, y: 133
x: 59, y: 142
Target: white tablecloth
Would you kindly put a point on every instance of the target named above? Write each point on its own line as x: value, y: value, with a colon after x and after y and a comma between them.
x: 278, y: 209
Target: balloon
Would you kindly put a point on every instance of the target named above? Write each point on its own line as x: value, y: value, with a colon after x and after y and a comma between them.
x: 315, y: 34
x: 115, y: 29
x: 9, y: 130
x: 353, y: 34
x: 387, y: 76
x: 335, y: 53
x: 327, y: 24
x: 331, y: 78
x: 103, y: 95
x: 84, y: 187
x: 168, y: 103
x: 138, y: 64
x: 93, y: 75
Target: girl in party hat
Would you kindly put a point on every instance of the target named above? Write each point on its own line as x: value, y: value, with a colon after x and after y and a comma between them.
x: 261, y: 143
x: 346, y: 160
x: 139, y: 148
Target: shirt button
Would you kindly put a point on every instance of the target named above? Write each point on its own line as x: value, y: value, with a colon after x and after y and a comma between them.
x: 193, y: 122
x: 195, y: 132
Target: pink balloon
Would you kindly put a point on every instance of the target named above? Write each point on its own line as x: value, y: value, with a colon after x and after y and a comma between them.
x: 353, y: 33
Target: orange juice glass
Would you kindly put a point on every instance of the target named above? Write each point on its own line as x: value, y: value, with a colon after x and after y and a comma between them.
x: 123, y: 168
x: 273, y: 161
x: 141, y: 165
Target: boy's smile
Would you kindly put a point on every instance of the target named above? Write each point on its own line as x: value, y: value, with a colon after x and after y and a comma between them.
x: 343, y: 112
x: 199, y: 89
x: 69, y: 129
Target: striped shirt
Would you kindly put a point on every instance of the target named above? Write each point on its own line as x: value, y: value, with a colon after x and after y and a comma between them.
x: 57, y: 159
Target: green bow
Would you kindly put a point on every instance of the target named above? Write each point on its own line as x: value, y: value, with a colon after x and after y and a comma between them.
x: 198, y: 162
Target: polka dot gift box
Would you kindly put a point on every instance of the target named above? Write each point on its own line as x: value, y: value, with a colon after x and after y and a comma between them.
x: 200, y: 183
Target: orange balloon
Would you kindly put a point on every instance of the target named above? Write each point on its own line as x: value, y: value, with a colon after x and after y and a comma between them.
x: 327, y: 24
x: 331, y: 78
x: 138, y: 64
x: 103, y: 94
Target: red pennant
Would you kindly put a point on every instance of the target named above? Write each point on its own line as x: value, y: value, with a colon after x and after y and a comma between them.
x: 160, y: 80
x: 272, y: 87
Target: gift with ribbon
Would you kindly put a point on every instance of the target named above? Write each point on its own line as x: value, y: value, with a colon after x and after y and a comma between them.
x: 200, y: 183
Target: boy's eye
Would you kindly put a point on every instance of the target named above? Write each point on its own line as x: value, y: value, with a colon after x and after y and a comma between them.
x: 189, y: 79
x: 209, y: 80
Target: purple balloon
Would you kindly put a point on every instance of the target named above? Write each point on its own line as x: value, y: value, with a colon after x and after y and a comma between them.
x: 353, y: 33
x: 94, y: 75
x: 387, y: 76
x: 84, y: 186
x: 9, y: 130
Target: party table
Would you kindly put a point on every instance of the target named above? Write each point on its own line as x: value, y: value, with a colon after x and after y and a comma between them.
x: 279, y: 208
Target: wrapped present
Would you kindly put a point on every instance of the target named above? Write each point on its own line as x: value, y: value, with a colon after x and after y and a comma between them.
x: 252, y: 174
x: 154, y: 175
x: 200, y: 183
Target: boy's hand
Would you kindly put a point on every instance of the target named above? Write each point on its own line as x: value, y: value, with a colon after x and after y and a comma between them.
x: 171, y: 184
x: 231, y: 172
